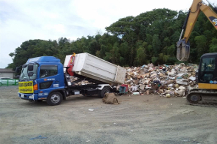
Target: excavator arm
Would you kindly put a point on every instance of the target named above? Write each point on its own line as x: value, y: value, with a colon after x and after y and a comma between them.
x: 183, y: 45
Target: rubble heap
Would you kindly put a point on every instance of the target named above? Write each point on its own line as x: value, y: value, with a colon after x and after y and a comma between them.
x: 165, y: 80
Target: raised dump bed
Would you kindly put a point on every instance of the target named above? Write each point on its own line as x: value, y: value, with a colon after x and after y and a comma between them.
x: 96, y: 68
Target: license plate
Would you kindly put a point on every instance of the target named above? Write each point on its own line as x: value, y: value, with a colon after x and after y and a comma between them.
x: 22, y: 95
x: 31, y: 97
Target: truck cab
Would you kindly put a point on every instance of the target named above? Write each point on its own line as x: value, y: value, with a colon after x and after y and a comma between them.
x: 40, y: 77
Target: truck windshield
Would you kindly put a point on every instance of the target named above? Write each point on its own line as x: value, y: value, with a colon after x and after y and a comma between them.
x: 24, y: 73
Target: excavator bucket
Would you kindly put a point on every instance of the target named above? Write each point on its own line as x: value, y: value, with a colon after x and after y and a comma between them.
x: 183, y: 50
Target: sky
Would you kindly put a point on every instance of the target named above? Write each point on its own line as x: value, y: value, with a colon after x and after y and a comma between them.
x: 22, y: 20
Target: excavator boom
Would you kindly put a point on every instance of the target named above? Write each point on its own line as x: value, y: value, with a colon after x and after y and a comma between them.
x: 183, y: 45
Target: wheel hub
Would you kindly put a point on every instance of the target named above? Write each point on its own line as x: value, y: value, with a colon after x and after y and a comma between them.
x: 195, y: 98
x: 55, y: 98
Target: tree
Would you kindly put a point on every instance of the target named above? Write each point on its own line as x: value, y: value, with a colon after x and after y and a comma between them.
x: 201, y: 45
x: 140, y: 56
x: 213, y: 45
x: 156, y: 44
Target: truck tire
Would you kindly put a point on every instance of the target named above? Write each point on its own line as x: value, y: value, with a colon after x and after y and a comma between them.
x: 55, y: 98
x: 0, y: 84
x: 103, y: 91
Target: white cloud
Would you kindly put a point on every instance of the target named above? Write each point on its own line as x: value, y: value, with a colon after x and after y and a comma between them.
x: 22, y: 20
x: 55, y: 27
x: 59, y: 28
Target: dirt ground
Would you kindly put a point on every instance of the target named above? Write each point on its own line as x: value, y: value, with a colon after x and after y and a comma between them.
x: 148, y: 119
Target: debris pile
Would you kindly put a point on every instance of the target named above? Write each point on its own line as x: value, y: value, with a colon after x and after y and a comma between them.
x: 165, y: 80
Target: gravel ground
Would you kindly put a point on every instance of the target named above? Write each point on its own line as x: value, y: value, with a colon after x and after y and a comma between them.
x: 147, y: 119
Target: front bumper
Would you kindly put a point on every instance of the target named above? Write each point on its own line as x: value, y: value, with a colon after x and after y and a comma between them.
x: 28, y: 96
x: 32, y: 96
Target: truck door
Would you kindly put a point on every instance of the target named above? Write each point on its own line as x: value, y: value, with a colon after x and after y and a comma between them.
x: 49, y: 79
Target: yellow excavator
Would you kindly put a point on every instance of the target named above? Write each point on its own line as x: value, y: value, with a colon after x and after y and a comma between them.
x: 207, y: 72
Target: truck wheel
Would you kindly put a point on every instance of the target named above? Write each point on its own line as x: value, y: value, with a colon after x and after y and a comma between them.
x: 55, y: 98
x: 0, y: 84
x: 194, y: 98
x: 103, y: 91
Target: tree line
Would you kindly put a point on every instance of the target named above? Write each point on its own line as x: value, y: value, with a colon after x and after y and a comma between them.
x: 131, y: 41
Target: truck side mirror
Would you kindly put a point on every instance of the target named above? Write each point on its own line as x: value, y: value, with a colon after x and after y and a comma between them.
x: 16, y: 70
x: 30, y: 67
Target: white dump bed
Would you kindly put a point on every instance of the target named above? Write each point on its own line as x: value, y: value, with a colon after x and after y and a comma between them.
x: 93, y: 67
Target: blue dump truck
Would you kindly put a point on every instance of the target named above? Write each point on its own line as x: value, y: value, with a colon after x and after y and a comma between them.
x: 46, y: 78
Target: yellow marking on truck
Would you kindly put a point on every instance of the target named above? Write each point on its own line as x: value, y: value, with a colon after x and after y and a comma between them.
x: 207, y: 86
x: 26, y: 87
